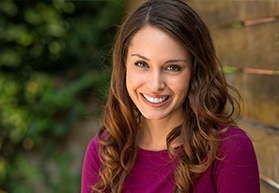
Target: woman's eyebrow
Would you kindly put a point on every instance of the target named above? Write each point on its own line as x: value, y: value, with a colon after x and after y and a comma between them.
x: 140, y: 56
x: 177, y: 60
x: 169, y: 61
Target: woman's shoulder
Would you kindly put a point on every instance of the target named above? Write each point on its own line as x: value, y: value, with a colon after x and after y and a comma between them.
x: 233, y: 134
x: 236, y: 163
x: 235, y: 141
x: 93, y: 145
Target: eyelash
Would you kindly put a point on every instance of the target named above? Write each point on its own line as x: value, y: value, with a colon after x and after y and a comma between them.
x: 172, y: 68
x: 141, y: 64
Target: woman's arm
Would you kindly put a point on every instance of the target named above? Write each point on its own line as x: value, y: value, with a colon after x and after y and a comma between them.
x: 91, y: 165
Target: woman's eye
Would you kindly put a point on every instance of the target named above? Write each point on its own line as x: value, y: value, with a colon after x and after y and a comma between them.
x: 141, y: 64
x: 174, y: 68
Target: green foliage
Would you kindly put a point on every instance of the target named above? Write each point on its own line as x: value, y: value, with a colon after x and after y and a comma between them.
x: 53, y: 57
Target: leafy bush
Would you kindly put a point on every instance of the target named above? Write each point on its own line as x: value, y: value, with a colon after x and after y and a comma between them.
x: 53, y: 57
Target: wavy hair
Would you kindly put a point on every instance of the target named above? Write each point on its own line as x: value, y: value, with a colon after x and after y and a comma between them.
x: 207, y: 105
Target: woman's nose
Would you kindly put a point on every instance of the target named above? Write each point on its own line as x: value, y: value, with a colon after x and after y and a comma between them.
x: 156, y: 82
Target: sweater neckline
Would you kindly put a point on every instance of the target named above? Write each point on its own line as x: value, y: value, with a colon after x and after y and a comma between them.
x: 158, y: 152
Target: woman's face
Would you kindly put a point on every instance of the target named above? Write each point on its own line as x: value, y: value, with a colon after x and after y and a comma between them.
x: 158, y: 74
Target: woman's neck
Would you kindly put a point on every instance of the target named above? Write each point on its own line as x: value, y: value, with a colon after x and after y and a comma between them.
x: 153, y: 134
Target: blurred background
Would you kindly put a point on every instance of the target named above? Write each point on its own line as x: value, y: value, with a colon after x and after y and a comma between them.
x: 54, y: 73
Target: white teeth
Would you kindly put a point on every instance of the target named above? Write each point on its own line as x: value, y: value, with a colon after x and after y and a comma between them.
x: 155, y: 100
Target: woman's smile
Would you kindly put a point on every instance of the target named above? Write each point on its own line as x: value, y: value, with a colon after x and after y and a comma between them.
x: 155, y: 101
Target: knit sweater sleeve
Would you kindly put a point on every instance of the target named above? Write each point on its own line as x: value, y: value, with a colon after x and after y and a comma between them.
x: 91, y: 165
x: 236, y: 170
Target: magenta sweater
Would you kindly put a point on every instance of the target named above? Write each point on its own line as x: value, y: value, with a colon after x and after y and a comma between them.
x: 237, y: 172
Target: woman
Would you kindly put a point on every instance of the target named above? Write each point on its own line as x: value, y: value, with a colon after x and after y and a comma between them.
x: 168, y: 124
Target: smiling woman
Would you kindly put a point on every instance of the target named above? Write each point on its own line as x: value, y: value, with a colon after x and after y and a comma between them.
x: 170, y: 128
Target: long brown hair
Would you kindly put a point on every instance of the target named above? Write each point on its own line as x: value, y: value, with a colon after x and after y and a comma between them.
x: 207, y: 105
